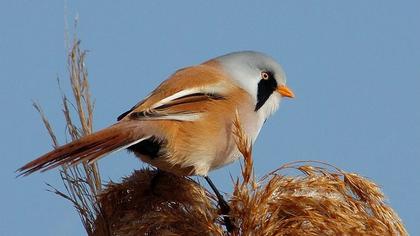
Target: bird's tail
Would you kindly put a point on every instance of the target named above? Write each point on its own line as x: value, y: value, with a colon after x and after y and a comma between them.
x: 88, y: 148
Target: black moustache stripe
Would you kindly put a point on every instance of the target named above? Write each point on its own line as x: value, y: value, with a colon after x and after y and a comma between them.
x: 265, y: 89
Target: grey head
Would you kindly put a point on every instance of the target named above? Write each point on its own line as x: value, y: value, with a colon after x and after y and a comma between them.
x: 260, y: 75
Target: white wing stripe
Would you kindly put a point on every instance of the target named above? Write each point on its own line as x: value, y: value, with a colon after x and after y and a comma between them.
x: 175, y: 96
x: 213, y: 88
x: 179, y: 117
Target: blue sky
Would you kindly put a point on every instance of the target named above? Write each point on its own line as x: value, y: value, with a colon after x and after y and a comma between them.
x: 353, y: 65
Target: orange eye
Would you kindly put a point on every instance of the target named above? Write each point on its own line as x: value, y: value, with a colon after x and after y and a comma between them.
x: 265, y: 75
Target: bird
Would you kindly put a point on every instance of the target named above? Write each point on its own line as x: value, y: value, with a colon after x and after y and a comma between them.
x: 184, y: 126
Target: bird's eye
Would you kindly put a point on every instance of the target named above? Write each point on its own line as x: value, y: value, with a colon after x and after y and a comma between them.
x: 265, y: 75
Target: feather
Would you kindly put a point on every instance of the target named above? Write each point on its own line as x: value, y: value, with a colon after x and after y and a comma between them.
x: 190, y: 84
x: 88, y: 148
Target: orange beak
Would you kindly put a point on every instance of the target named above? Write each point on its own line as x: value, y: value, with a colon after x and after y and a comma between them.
x: 285, y: 91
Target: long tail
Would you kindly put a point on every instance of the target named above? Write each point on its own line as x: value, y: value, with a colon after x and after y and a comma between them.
x: 88, y: 148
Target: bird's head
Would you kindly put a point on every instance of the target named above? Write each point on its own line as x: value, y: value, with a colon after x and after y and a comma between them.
x: 260, y: 75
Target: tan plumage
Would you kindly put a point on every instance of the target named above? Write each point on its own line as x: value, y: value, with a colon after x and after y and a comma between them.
x: 185, y: 125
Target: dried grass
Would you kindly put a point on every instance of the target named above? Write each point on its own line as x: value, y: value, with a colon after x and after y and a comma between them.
x: 82, y: 182
x: 317, y: 200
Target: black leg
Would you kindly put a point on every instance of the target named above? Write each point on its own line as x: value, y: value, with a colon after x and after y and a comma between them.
x: 224, y: 206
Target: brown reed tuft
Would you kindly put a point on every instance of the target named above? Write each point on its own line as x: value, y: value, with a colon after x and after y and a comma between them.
x: 299, y: 198
x: 151, y: 202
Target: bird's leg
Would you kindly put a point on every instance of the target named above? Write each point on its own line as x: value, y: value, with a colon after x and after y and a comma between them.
x: 222, y: 202
x: 224, y: 207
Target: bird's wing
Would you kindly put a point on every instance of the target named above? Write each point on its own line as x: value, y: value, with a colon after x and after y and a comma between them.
x: 184, y: 96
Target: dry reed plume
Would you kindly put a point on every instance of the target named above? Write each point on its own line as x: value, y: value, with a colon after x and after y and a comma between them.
x: 317, y: 200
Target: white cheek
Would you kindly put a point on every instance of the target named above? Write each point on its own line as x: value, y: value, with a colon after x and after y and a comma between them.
x: 270, y: 106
